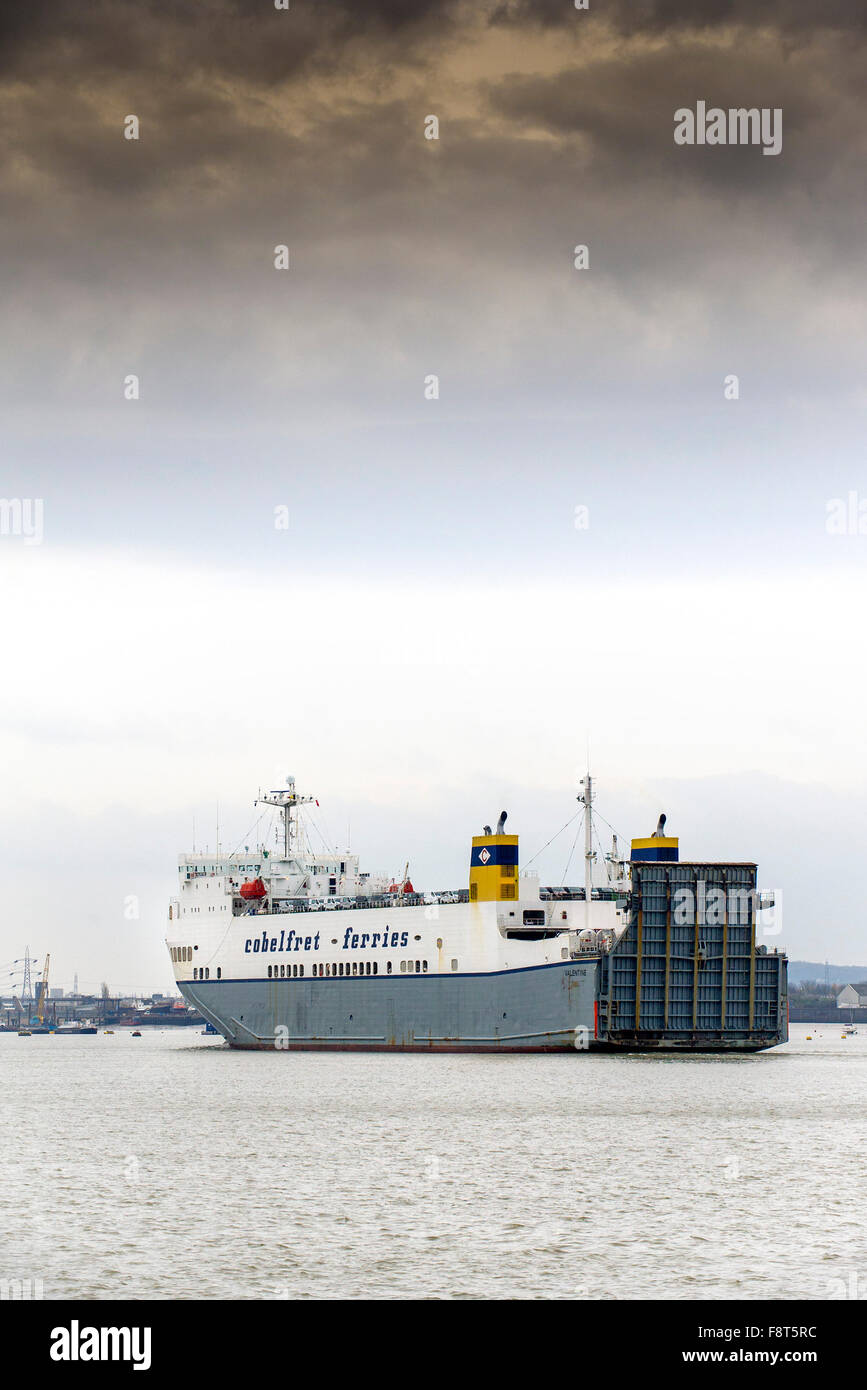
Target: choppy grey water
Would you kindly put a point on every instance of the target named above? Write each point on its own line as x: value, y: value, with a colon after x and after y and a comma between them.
x: 168, y: 1166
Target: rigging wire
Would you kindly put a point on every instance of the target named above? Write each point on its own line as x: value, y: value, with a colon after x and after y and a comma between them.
x: 249, y: 832
x: 599, y: 816
x: 572, y: 850
x: 528, y: 862
x: 325, y: 841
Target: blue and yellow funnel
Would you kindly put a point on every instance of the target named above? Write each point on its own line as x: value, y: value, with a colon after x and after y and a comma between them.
x: 494, y: 866
x: 657, y: 848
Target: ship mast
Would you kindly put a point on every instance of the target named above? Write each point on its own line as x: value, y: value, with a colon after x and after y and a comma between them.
x: 285, y: 801
x: 587, y: 801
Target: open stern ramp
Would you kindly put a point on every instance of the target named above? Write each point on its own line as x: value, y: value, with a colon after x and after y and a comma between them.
x: 687, y: 971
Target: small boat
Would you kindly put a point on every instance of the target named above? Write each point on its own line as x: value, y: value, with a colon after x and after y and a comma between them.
x: 136, y: 1033
x: 24, y: 1033
x: 108, y: 1030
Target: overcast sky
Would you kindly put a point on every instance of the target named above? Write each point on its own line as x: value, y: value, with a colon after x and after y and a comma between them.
x: 431, y: 636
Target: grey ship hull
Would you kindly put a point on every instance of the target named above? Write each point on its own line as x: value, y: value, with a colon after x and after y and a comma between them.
x: 546, y: 1008
x: 551, y: 1008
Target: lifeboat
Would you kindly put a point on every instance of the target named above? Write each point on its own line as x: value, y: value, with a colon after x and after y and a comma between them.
x: 253, y: 889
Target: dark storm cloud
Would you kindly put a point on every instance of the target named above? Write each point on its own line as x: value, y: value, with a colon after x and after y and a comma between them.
x: 262, y: 127
x: 620, y: 112
x: 661, y: 16
x: 241, y: 37
x: 200, y: 77
x: 204, y: 79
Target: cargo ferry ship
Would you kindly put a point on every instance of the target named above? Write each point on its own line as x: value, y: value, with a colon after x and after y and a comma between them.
x: 289, y: 949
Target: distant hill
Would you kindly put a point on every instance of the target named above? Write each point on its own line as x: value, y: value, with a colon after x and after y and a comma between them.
x: 801, y: 970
